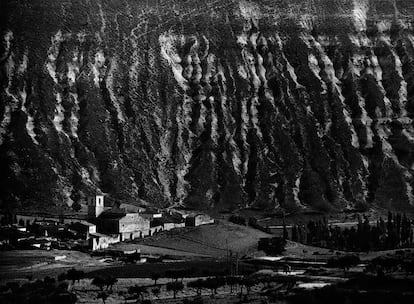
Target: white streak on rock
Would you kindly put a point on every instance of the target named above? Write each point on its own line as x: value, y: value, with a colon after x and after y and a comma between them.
x: 59, y: 113
x: 203, y: 113
x: 13, y: 101
x: 228, y: 120
x: 30, y: 120
x: 72, y: 74
x: 164, y: 155
x: 96, y: 67
x: 110, y: 87
x: 359, y: 14
x: 331, y: 77
x: 23, y: 64
x: 244, y: 129
x: 52, y: 55
x: 249, y: 10
x: 103, y: 21
x: 169, y: 53
x: 6, y: 41
x: 74, y: 119
x: 214, y: 121
x: 183, y: 122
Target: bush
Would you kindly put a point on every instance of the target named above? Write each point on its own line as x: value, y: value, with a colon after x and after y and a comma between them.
x: 272, y: 246
x: 175, y: 287
x: 198, y: 285
x: 344, y: 262
x: 39, y: 291
x: 237, y: 219
x: 75, y: 275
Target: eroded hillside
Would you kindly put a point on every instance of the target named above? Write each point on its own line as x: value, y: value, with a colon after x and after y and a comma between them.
x: 208, y: 103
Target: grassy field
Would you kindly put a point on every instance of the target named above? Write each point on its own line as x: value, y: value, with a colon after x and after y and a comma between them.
x: 301, y: 251
x: 41, y: 263
x: 200, y: 268
x: 209, y: 240
x: 87, y: 293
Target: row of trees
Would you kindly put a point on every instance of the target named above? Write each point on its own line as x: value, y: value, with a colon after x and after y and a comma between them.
x: 46, y: 291
x: 239, y: 284
x: 394, y: 233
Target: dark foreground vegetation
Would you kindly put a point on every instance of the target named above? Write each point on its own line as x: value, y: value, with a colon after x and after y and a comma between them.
x: 395, y: 232
x: 46, y: 291
x: 362, y: 289
x: 181, y: 269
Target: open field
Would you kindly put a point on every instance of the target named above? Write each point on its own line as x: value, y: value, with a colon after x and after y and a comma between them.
x: 210, y: 240
x: 87, y: 293
x: 301, y: 251
x: 40, y: 263
x: 197, y: 268
x: 157, y: 251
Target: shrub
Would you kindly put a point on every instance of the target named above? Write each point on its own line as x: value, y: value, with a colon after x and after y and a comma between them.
x: 272, y: 246
x: 344, y: 262
x: 237, y: 219
x: 175, y: 287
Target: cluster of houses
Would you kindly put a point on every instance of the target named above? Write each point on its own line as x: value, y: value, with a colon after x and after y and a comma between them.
x: 107, y: 225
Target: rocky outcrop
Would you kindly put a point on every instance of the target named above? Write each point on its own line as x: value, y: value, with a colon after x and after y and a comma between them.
x: 208, y: 104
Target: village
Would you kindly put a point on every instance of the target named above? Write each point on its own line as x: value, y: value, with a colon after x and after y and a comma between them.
x: 101, y: 227
x: 183, y: 256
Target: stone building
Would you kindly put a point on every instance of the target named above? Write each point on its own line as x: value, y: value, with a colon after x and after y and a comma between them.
x: 98, y: 241
x: 84, y: 228
x: 171, y: 221
x: 95, y: 206
x: 198, y: 219
x: 127, y: 225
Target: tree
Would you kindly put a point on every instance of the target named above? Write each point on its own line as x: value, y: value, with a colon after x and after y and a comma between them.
x: 248, y: 283
x: 155, y: 276
x: 102, y: 295
x: 156, y: 292
x: 175, y: 287
x: 408, y: 267
x: 99, y: 282
x: 110, y: 281
x: 75, y: 275
x: 214, y: 283
x: 232, y: 281
x: 237, y: 219
x: 388, y: 264
x: 76, y: 207
x: 172, y: 274
x: 294, y: 233
x: 49, y: 281
x: 62, y: 277
x: 272, y: 246
x: 285, y: 232
x: 344, y: 262
x: 122, y: 294
x: 198, y: 285
x: 39, y: 291
x: 138, y: 291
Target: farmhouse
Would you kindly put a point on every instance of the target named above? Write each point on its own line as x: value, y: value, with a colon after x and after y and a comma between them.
x: 83, y: 228
x: 278, y: 230
x: 198, y: 219
x: 151, y: 215
x: 171, y: 221
x: 99, y: 241
x: 127, y: 225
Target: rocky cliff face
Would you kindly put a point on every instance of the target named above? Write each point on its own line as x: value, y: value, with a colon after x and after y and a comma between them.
x: 266, y: 103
